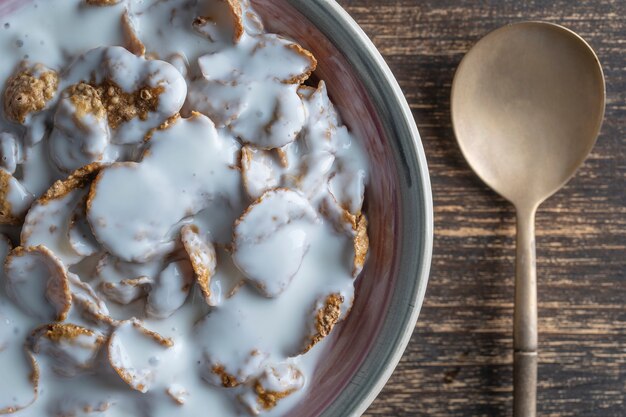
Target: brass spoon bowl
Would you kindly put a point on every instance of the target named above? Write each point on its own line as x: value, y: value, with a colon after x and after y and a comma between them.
x: 527, y: 106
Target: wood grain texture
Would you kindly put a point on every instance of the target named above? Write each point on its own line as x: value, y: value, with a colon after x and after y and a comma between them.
x: 459, y: 360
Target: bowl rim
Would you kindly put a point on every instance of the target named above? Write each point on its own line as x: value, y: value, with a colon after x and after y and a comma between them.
x: 338, y: 19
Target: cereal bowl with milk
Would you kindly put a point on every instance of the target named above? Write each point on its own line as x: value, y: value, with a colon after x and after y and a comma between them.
x: 208, y: 207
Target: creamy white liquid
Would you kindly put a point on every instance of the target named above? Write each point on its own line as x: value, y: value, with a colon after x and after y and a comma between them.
x: 257, y: 170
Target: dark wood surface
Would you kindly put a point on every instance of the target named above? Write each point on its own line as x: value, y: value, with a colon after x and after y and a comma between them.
x: 459, y: 360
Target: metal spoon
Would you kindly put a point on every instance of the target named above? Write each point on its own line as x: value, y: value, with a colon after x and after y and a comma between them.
x: 527, y: 106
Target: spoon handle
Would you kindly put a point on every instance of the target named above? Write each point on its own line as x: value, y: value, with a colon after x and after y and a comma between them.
x: 525, y: 317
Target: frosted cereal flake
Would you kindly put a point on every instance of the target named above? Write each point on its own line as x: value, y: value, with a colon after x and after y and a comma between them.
x: 277, y: 382
x: 347, y: 186
x: 49, y: 219
x: 28, y: 91
x: 14, y: 199
x: 127, y: 290
x: 203, y: 259
x: 81, y: 133
x: 259, y: 171
x: 271, y: 239
x: 342, y: 220
x: 327, y: 315
x: 73, y: 349
x: 170, y: 290
x: 210, y: 25
x: 177, y: 393
x: 37, y: 282
x: 129, y: 349
x: 79, y: 233
x: 229, y: 374
x: 88, y: 303
x: 361, y: 245
x: 137, y: 94
x: 133, y: 43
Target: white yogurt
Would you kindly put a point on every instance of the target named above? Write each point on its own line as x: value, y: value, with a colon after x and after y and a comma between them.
x: 188, y: 277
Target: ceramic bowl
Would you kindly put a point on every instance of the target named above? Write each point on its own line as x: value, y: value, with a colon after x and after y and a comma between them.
x: 365, y: 349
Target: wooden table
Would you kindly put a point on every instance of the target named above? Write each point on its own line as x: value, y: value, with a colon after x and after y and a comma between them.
x: 459, y: 360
